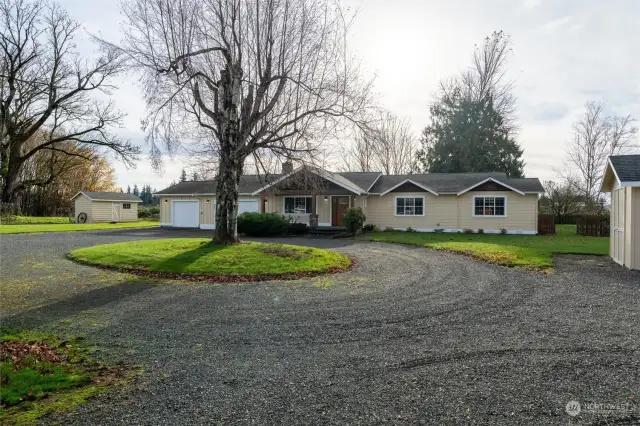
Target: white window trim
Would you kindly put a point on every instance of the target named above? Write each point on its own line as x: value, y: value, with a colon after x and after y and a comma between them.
x: 284, y: 203
x: 473, y: 206
x: 395, y: 206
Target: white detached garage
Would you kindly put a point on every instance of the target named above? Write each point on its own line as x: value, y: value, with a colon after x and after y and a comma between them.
x: 622, y: 180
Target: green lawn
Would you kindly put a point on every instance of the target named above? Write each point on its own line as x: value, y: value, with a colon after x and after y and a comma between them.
x: 67, y: 227
x: 40, y: 374
x: 530, y: 251
x: 196, y: 256
x: 31, y: 220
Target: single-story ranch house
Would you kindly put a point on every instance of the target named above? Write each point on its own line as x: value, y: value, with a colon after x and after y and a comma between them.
x: 622, y: 179
x: 95, y: 207
x: 450, y: 202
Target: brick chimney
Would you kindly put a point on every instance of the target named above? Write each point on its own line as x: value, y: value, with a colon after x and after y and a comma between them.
x: 287, y: 167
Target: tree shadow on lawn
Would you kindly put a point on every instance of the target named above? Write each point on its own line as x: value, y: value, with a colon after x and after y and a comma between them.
x: 68, y: 307
x: 180, y: 262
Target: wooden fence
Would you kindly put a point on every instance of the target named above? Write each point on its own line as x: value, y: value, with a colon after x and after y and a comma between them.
x: 546, y: 224
x: 593, y: 226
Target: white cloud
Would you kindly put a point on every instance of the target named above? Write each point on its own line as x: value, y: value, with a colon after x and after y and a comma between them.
x: 565, y: 53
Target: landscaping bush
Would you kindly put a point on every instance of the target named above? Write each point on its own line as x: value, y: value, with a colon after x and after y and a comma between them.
x: 503, y: 231
x: 369, y: 227
x: 467, y: 231
x: 480, y: 231
x: 388, y: 229
x: 297, y: 228
x: 354, y: 220
x: 145, y: 212
x: 410, y: 229
x: 264, y: 224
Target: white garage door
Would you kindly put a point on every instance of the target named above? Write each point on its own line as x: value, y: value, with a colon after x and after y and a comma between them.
x: 247, y: 206
x: 186, y: 214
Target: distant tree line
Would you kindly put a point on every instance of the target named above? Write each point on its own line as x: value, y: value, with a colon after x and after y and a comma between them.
x: 145, y: 194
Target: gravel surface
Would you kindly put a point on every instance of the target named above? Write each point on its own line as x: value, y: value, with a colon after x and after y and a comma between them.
x: 408, y: 336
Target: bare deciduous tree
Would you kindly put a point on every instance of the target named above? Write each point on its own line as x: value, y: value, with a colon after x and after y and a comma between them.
x: 486, y: 79
x: 562, y: 200
x: 387, y: 145
x: 47, y: 91
x: 596, y: 136
x: 244, y: 76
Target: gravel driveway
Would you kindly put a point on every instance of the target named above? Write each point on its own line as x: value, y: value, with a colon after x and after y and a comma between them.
x: 408, y: 336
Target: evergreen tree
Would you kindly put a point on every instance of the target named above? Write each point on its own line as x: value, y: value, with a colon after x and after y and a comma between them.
x: 135, y: 190
x: 467, y: 135
x: 183, y: 176
x: 195, y: 176
x: 128, y: 189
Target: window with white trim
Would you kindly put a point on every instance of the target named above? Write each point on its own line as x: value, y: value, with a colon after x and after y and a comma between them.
x: 490, y: 206
x: 126, y: 206
x: 409, y: 206
x: 297, y: 205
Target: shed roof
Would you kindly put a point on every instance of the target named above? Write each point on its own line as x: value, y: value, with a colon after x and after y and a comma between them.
x: 622, y: 168
x: 109, y: 196
x: 627, y: 167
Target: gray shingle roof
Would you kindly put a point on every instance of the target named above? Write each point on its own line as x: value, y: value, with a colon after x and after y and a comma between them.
x: 362, y: 179
x: 627, y: 167
x: 455, y: 182
x: 112, y: 196
x: 248, y: 184
x: 438, y: 182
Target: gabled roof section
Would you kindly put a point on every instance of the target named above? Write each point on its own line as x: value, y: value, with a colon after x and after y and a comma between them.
x: 625, y: 169
x: 399, y: 184
x: 109, y: 196
x: 363, y: 180
x: 330, y: 176
x: 490, y: 179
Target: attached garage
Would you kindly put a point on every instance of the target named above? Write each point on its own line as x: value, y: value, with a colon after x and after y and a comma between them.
x: 97, y: 207
x: 192, y: 204
x: 622, y: 180
x: 186, y: 213
x: 248, y: 206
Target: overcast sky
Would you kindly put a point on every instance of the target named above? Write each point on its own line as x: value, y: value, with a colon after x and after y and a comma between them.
x: 565, y: 52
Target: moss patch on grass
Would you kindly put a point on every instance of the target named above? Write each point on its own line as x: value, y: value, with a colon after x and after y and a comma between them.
x: 41, y: 374
x: 199, y: 259
x: 71, y: 227
x: 528, y: 251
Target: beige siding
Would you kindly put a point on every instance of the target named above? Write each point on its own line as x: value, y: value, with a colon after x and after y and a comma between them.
x: 207, y: 213
x: 102, y: 211
x: 129, y: 215
x: 439, y: 211
x: 634, y: 245
x: 454, y: 212
x: 627, y: 211
x: 521, y: 212
x: 83, y: 205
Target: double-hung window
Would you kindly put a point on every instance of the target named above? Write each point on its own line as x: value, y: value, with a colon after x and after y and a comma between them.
x: 297, y: 205
x: 126, y: 206
x: 490, y: 206
x: 409, y: 206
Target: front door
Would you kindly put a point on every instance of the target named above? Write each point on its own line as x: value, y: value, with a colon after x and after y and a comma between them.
x: 339, y: 206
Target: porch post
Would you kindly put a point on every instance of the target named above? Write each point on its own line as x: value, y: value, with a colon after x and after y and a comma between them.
x: 313, y: 217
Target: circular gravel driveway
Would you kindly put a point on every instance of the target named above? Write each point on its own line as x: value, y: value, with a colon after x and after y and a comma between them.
x: 408, y: 336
